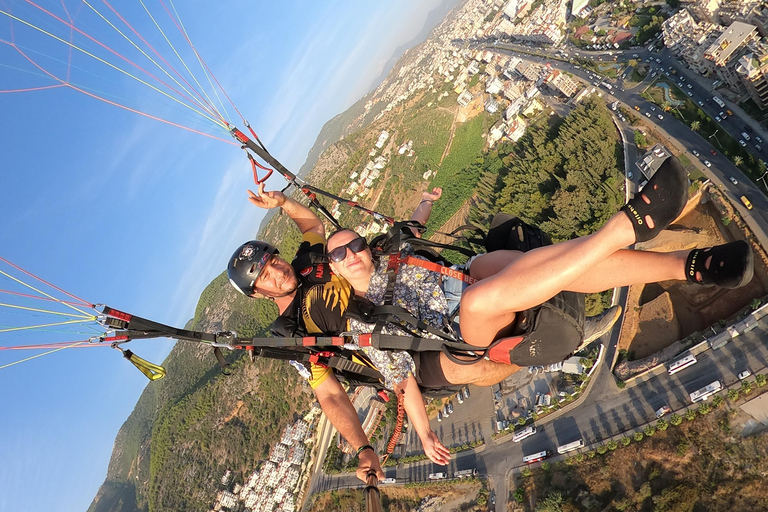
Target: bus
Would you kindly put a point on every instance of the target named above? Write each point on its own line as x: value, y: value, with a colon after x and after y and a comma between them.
x: 718, y: 101
x: 522, y: 434
x: 682, y: 363
x: 536, y: 457
x: 437, y: 476
x: 706, y: 391
x: 465, y: 473
x: 570, y: 446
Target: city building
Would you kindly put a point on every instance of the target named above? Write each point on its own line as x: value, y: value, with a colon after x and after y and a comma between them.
x: 703, y: 10
x: 561, y: 83
x: 578, y: 6
x: 515, y: 129
x: 689, y: 39
x: 382, y: 139
x: 727, y: 49
x: 464, y: 98
x: 752, y: 68
x: 491, y: 106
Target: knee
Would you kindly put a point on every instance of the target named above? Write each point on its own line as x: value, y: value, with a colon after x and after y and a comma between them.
x: 471, y: 302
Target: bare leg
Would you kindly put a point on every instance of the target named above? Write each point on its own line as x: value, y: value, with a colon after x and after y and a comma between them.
x: 622, y: 268
x: 487, y: 307
x: 481, y: 373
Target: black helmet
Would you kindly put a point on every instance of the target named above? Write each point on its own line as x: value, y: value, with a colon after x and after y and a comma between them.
x: 246, y: 264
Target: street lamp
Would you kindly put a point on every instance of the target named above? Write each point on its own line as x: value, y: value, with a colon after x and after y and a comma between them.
x: 718, y: 140
x: 763, y: 178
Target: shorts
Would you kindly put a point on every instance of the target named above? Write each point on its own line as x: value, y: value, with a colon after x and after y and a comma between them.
x: 429, y: 375
x: 453, y: 288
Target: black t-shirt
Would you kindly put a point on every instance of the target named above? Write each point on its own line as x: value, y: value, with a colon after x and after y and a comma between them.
x: 321, y: 298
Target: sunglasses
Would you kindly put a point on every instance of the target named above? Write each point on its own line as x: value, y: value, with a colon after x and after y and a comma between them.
x: 338, y: 254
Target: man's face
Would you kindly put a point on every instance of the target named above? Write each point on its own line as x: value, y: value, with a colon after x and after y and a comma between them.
x: 277, y: 278
x: 355, y: 265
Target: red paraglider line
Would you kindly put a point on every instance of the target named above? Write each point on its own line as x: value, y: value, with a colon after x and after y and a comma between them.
x: 29, y: 295
x: 183, y: 33
x: 193, y: 100
x: 82, y: 302
x: 58, y: 344
x: 210, y: 108
x: 110, y: 102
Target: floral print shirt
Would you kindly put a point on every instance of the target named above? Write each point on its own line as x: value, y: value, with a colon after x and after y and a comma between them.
x: 416, y: 289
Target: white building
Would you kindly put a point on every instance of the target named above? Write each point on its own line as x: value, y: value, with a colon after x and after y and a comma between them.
x: 382, y: 139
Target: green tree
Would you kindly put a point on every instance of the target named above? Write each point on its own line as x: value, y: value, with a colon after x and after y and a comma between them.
x: 638, y: 437
x: 552, y: 503
x: 545, y: 466
x: 602, y: 449
x: 662, y: 425
x: 704, y: 409
x: 612, y: 444
x: 733, y: 394
x: 738, y: 160
x: 746, y: 387
x: 649, y: 430
x: 519, y: 495
x: 682, y: 448
x: 760, y: 379
x: 675, y: 419
x: 626, y: 440
x: 695, y: 125
x: 690, y: 415
x: 716, y: 401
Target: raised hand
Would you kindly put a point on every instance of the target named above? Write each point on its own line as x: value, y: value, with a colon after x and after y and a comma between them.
x: 266, y: 200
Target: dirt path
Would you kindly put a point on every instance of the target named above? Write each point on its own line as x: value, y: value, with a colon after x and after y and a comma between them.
x: 458, y: 218
x: 450, y: 137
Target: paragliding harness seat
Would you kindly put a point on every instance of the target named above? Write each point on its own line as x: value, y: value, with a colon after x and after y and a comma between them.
x: 546, y: 334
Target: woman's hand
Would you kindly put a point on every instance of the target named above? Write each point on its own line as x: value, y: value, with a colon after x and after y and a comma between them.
x: 266, y: 200
x: 432, y: 196
x: 435, y: 450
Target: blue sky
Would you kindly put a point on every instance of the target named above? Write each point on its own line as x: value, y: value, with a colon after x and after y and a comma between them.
x: 123, y: 210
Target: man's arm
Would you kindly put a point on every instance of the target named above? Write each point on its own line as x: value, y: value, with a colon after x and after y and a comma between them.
x: 424, y: 209
x: 305, y: 219
x: 342, y: 415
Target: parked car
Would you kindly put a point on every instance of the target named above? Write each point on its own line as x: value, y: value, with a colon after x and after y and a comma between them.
x: 446, y: 413
x: 439, y: 416
x: 714, y: 153
x: 466, y: 392
x: 695, y: 153
x: 459, y: 397
x: 630, y: 175
x: 636, y: 108
x: 706, y: 162
x: 701, y: 103
x: 733, y: 180
x: 743, y: 375
x: 689, y: 93
x: 758, y: 139
x: 717, y: 118
x: 450, y: 407
x: 660, y: 116
x: 664, y: 410
x: 742, y: 143
x: 746, y: 202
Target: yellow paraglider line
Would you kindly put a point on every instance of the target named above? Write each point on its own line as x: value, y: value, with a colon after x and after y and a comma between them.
x: 30, y: 25
x: 39, y: 326
x: 41, y: 355
x: 83, y: 313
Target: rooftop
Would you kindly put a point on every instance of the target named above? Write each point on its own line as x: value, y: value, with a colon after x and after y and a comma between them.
x: 731, y: 40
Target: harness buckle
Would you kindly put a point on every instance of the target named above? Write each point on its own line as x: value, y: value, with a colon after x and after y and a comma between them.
x: 355, y: 335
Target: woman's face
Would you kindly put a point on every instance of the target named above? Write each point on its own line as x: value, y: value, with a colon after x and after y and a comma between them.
x: 355, y: 266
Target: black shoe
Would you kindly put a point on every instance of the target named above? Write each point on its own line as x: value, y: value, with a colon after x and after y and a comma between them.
x: 729, y: 265
x: 596, y: 326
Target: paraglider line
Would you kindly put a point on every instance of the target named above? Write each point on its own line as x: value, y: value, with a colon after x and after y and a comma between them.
x: 40, y: 355
x: 28, y: 327
x: 100, y: 60
x: 205, y: 104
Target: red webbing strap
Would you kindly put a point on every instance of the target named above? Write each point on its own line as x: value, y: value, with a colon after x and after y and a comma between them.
x: 442, y: 269
x: 398, y: 427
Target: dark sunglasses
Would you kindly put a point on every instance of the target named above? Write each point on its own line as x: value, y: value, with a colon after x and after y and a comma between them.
x: 338, y: 254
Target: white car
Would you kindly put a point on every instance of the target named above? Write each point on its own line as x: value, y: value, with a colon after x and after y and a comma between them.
x: 695, y: 153
x: 653, y: 108
x: 743, y: 375
x: 630, y: 175
x: 689, y: 93
x: 701, y: 103
x: 717, y: 118
x: 733, y: 180
x: 660, y: 116
x: 706, y: 162
x: 647, y: 114
x: 459, y: 397
x: 661, y: 412
x: 439, y: 416
x: 742, y: 143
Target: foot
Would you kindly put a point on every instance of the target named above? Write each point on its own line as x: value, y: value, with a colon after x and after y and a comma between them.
x: 730, y: 265
x: 597, y: 326
x: 660, y: 201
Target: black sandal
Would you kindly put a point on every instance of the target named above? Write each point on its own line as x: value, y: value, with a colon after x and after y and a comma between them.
x: 730, y: 265
x: 667, y: 191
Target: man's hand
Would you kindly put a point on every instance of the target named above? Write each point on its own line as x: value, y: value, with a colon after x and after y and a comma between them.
x: 432, y: 196
x: 435, y: 450
x: 368, y: 460
x: 267, y: 200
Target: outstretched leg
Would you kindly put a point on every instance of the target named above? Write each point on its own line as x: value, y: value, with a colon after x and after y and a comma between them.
x: 487, y: 307
x: 622, y: 268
